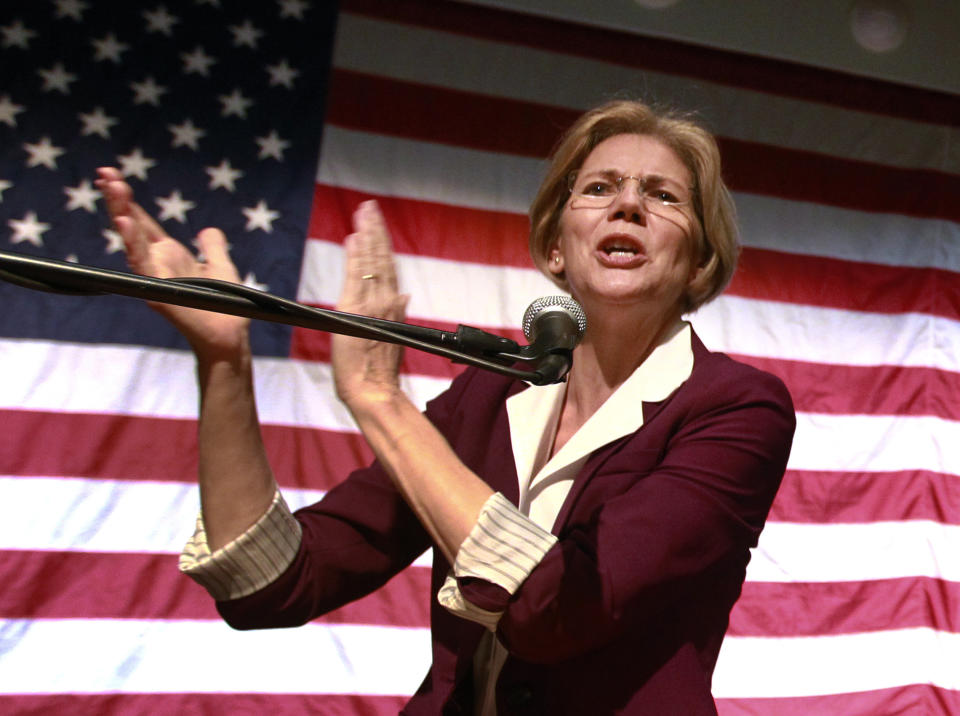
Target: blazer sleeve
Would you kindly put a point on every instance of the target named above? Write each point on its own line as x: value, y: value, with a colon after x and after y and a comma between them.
x: 644, y: 537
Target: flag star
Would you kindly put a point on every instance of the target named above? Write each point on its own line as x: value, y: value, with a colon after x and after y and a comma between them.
x: 282, y: 74
x: 147, y: 92
x: 198, y: 62
x: 9, y: 111
x: 16, y: 34
x: 4, y: 185
x: 57, y: 78
x: 135, y: 164
x: 272, y: 146
x: 260, y: 217
x: 160, y: 20
x: 114, y: 241
x: 108, y: 48
x: 185, y: 134
x: 28, y: 229
x: 235, y: 103
x: 43, y: 152
x: 82, y: 196
x: 250, y: 281
x: 293, y: 8
x: 72, y: 258
x: 245, y: 34
x: 174, y: 207
x: 223, y: 176
x: 70, y: 8
x: 96, y: 122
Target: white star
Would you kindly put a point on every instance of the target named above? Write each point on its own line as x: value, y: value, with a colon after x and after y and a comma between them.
x: 4, y: 185
x: 198, y: 62
x: 282, y: 74
x: 43, y: 152
x: 147, y: 92
x: 16, y: 34
x: 72, y: 258
x: 246, y: 34
x: 135, y: 164
x: 293, y: 8
x: 108, y: 48
x: 174, y: 207
x: 28, y: 229
x: 260, y: 217
x: 235, y: 103
x: 96, y: 122
x: 223, y: 176
x: 250, y: 280
x: 9, y: 111
x: 114, y: 241
x: 272, y: 146
x: 82, y: 196
x: 70, y: 8
x: 57, y: 78
x: 185, y: 134
x: 160, y: 20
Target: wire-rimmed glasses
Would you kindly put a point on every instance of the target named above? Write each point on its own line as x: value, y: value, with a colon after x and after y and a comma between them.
x: 660, y: 195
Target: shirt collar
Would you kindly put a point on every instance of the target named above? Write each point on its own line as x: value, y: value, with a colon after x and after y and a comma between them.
x: 533, y: 413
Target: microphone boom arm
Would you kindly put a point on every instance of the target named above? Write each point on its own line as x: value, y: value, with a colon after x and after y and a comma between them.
x: 467, y: 345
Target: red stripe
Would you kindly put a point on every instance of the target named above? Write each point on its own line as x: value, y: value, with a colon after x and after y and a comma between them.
x: 776, y: 77
x: 914, y: 699
x: 397, y: 108
x: 101, y: 585
x: 865, y: 390
x: 819, y: 497
x: 797, y: 609
x: 500, y: 239
x: 211, y: 704
x: 422, y: 228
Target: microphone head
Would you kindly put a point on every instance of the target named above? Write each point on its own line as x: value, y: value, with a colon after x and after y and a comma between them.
x: 545, y: 304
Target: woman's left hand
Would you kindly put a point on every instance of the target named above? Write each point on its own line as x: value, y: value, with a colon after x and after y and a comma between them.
x: 367, y: 371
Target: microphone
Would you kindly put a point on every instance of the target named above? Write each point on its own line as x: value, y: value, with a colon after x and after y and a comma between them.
x: 554, y: 326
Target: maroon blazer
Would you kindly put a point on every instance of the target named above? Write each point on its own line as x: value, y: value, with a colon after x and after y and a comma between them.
x: 626, y: 613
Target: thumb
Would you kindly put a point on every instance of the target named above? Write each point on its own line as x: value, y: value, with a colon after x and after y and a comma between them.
x: 216, y: 250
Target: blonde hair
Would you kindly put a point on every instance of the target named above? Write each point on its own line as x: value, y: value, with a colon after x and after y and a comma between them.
x: 716, y: 241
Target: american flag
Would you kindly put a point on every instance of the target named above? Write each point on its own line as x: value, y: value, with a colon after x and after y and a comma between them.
x: 848, y: 289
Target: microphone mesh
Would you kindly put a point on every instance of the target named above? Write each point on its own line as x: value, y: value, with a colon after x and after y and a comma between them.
x: 564, y: 303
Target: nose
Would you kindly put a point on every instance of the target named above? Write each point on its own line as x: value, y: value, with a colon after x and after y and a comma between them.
x: 629, y: 202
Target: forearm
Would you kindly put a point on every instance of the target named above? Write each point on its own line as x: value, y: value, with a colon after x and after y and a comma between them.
x: 445, y: 495
x: 236, y: 482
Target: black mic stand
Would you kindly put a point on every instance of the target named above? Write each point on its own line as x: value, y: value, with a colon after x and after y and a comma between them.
x: 467, y: 345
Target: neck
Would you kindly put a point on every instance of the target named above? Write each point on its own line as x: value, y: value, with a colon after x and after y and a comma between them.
x: 611, y: 350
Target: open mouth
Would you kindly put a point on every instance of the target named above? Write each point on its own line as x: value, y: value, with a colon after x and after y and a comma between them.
x: 619, y: 246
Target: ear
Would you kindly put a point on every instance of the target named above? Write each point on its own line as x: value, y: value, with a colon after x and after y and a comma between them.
x: 555, y: 259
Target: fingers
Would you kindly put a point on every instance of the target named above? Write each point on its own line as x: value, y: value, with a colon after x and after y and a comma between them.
x: 370, y: 281
x: 216, y: 250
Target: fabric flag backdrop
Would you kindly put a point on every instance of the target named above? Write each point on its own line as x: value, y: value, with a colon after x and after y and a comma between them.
x: 849, y: 289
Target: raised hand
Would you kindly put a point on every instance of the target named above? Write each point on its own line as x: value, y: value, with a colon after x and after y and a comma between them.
x: 151, y: 252
x: 364, y: 369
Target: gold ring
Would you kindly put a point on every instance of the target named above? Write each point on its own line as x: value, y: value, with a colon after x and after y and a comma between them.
x: 368, y: 276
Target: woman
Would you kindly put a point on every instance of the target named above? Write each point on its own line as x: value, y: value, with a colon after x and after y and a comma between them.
x: 588, y: 563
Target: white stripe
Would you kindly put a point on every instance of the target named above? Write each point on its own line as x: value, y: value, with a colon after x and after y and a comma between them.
x: 93, y: 515
x: 150, y: 382
x: 137, y: 656
x: 763, y: 667
x: 424, y: 171
x: 490, y: 68
x: 494, y: 296
x: 789, y: 552
x: 875, y: 443
x: 140, y: 517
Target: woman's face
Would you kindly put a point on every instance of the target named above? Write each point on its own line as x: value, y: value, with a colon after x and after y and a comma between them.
x: 633, y: 245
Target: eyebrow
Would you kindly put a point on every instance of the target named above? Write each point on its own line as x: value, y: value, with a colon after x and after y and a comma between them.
x: 654, y: 178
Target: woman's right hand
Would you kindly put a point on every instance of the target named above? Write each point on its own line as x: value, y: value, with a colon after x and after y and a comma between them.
x: 151, y: 252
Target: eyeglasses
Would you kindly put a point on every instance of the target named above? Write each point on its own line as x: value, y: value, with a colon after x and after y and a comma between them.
x: 660, y: 195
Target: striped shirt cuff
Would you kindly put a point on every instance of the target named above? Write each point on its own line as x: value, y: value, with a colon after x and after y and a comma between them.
x: 503, y: 548
x: 248, y: 563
